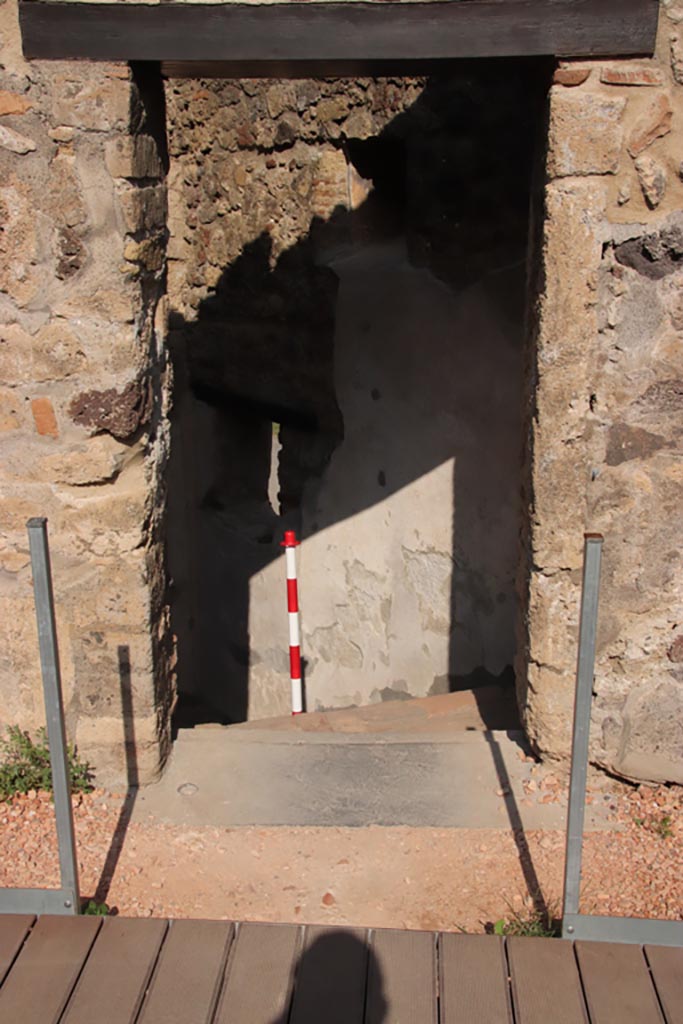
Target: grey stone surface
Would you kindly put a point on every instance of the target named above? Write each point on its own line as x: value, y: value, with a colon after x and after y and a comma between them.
x: 254, y: 777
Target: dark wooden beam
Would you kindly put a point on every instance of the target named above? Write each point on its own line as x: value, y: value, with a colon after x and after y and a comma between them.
x: 327, y: 33
x: 321, y: 69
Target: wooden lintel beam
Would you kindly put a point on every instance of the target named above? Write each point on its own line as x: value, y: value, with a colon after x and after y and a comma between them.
x: 325, y: 33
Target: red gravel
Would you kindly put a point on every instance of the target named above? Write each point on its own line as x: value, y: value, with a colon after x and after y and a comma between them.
x: 381, y: 877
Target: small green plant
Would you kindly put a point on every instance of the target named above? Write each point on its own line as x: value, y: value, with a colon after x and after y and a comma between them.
x: 539, y: 923
x: 25, y: 765
x: 662, y: 827
x: 95, y: 909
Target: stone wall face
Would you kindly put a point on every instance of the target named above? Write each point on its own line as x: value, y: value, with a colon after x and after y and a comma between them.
x: 83, y: 382
x: 84, y: 386
x: 606, y: 397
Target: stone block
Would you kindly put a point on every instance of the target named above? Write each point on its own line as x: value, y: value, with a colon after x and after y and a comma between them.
x: 22, y: 244
x: 20, y: 682
x: 653, y: 123
x: 143, y: 208
x: 108, y: 305
x: 675, y: 651
x: 150, y: 253
x: 333, y: 108
x: 14, y: 142
x: 57, y: 353
x: 652, y: 738
x: 652, y: 178
x: 102, y: 742
x: 677, y: 57
x: 16, y: 360
x: 107, y: 661
x: 19, y: 503
x: 10, y: 410
x: 107, y: 525
x: 13, y: 103
x: 359, y: 125
x: 90, y: 100
x: 585, y: 134
x: 281, y: 97
x: 329, y: 183
x: 63, y: 134
x: 134, y: 157
x: 96, y: 461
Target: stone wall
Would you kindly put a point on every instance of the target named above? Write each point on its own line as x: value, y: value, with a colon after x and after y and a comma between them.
x: 83, y: 382
x: 347, y: 261
x: 265, y: 182
x: 606, y: 397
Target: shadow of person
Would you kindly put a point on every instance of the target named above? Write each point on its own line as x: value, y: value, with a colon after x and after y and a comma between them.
x: 338, y: 979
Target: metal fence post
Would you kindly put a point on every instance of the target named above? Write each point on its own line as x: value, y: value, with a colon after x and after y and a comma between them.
x: 54, y: 711
x: 585, y: 672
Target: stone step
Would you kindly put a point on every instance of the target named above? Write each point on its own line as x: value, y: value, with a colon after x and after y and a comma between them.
x: 468, y: 779
x: 487, y: 707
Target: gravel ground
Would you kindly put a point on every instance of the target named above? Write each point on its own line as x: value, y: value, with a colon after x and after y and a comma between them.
x: 379, y: 877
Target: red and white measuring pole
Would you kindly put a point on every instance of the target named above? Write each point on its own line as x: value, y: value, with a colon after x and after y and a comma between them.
x: 290, y: 544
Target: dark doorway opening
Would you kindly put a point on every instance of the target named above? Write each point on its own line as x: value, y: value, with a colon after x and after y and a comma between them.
x: 350, y: 291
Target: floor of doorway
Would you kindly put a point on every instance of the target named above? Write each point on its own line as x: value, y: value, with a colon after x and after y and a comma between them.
x: 457, y: 760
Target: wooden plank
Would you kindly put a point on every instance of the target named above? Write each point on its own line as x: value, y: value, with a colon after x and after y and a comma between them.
x: 38, y: 986
x: 545, y: 982
x: 474, y: 980
x: 293, y: 69
x: 617, y: 983
x: 189, y: 973
x: 258, y: 988
x: 117, y: 972
x: 402, y: 978
x: 666, y: 964
x: 337, y: 31
x: 13, y: 931
x: 331, y: 976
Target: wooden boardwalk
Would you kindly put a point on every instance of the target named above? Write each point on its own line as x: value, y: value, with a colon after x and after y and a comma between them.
x: 86, y: 970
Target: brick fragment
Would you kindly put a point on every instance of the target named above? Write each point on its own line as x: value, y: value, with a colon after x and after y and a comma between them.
x: 571, y: 76
x: 44, y: 417
x: 628, y: 75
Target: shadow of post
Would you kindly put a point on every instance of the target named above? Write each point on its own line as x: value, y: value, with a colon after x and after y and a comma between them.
x: 132, y: 777
x: 524, y: 853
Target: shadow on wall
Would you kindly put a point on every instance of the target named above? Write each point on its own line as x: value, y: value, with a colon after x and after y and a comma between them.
x: 379, y: 363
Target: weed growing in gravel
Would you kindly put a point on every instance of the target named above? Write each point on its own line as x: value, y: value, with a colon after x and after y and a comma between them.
x: 25, y: 765
x: 661, y: 827
x: 95, y: 909
x: 534, y: 922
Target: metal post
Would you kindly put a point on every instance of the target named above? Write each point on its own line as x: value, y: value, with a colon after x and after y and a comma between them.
x: 585, y: 671
x: 52, y: 689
